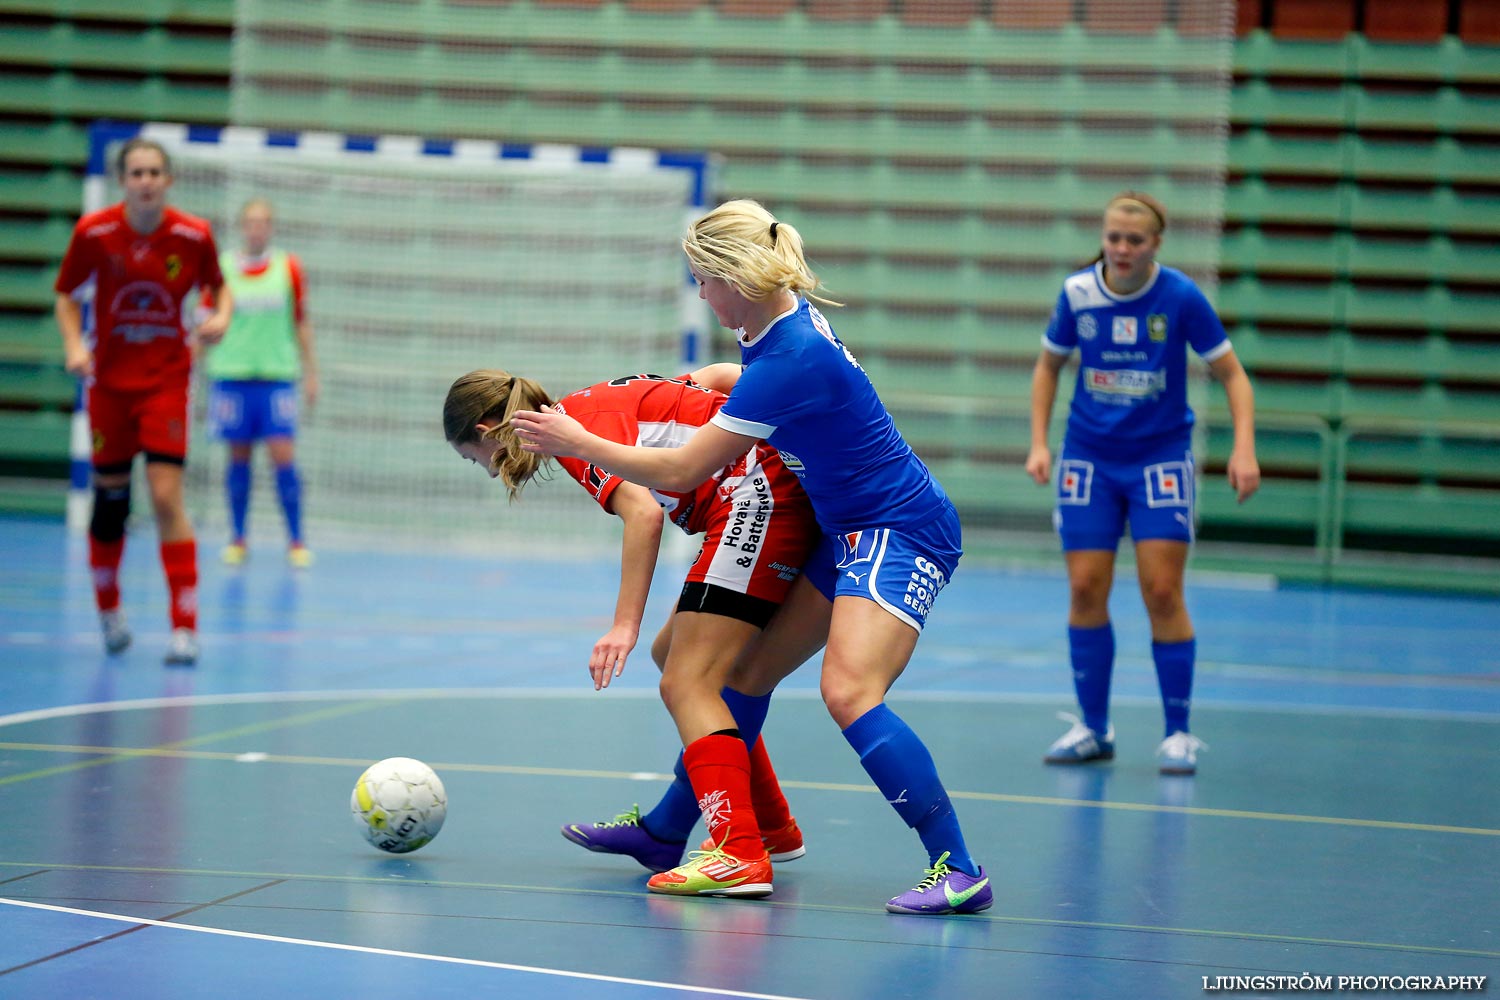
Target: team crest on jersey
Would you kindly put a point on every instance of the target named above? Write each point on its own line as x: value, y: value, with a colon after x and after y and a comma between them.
x: 1156, y: 327
x: 1075, y: 479
x: 1088, y: 326
x: 174, y: 266
x: 1123, y: 330
x: 1169, y: 484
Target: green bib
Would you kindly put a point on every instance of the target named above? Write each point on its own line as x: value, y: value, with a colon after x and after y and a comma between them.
x: 262, y: 340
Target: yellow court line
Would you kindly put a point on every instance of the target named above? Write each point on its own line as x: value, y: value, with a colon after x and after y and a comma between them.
x: 779, y: 904
x: 116, y: 754
x: 171, y: 750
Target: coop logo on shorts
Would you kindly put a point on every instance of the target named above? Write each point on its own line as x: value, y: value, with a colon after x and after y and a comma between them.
x: 1156, y: 327
x: 1169, y: 484
x: 1122, y: 331
x: 1075, y: 478
x: 1088, y: 327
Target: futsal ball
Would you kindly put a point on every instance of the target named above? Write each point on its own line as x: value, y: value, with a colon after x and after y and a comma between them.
x: 399, y: 804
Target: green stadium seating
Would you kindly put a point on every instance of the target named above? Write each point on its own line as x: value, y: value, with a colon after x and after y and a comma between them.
x: 197, y: 12
x: 30, y: 191
x: 1254, y: 251
x: 1269, y: 350
x: 1424, y: 455
x: 1436, y: 258
x: 30, y: 338
x: 46, y: 385
x: 1254, y: 201
x: 1435, y: 309
x: 1259, y: 102
x: 153, y: 49
x: 909, y: 148
x: 35, y: 239
x: 1313, y: 155
x: 1448, y: 61
x: 1434, y: 209
x: 1444, y: 159
x: 1260, y: 54
x: 27, y: 287
x: 1426, y: 509
x: 1248, y: 298
x: 65, y: 94
x: 40, y: 436
x: 56, y: 143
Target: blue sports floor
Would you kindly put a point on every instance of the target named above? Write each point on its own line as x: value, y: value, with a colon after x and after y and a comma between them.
x: 184, y: 833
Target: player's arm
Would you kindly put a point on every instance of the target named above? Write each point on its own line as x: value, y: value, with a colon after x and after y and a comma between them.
x: 304, y: 332
x: 1044, y: 379
x: 642, y: 540
x: 677, y: 469
x: 77, y: 357
x: 1243, y: 471
x: 720, y: 377
x: 216, y: 324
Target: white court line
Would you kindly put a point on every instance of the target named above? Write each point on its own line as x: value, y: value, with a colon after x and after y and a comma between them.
x: 248, y: 935
x: 1018, y: 698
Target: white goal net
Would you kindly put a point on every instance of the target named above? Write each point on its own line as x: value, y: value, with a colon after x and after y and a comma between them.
x: 423, y: 262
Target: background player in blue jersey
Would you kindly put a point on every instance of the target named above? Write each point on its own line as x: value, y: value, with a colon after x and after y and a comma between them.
x: 891, y: 537
x: 1127, y: 458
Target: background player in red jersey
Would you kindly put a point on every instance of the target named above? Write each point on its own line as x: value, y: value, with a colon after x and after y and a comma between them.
x: 758, y: 527
x: 144, y: 259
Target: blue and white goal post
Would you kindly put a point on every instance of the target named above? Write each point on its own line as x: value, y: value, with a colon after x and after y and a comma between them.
x: 425, y: 258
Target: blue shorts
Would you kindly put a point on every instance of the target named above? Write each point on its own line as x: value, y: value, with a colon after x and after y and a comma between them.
x: 1097, y: 496
x: 900, y: 570
x: 249, y: 410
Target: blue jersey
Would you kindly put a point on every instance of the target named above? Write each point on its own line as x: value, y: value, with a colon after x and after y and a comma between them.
x: 803, y: 392
x: 1132, y: 377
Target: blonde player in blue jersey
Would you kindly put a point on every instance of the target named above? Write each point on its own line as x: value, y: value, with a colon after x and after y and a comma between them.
x: 1127, y: 459
x: 891, y: 538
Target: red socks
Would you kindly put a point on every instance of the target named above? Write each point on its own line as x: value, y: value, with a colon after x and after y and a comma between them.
x: 719, y: 768
x: 180, y: 561
x: 104, y: 562
x: 770, y: 802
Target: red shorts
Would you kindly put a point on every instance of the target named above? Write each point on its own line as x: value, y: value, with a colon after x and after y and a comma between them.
x: 760, y: 531
x: 153, y: 420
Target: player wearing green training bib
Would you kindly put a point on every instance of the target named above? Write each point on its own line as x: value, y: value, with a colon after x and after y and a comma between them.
x: 255, y: 371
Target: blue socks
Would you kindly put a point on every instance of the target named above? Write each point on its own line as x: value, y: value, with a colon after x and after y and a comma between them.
x: 674, y: 817
x: 237, y: 486
x: 289, y: 488
x: 1092, y: 651
x: 1174, y: 673
x: 899, y: 763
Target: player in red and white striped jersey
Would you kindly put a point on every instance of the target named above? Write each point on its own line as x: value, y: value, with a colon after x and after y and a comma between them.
x: 758, y: 527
